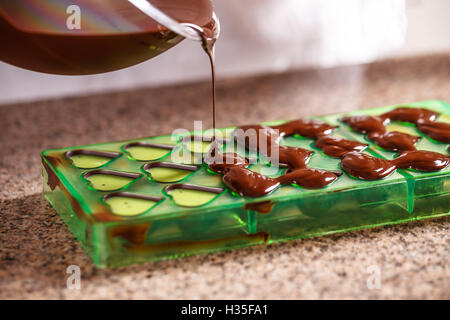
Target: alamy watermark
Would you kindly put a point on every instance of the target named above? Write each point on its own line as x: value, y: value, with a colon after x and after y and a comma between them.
x: 373, y: 281
x: 73, y: 21
x: 74, y: 279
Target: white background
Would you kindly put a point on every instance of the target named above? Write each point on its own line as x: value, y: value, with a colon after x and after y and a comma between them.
x: 326, y: 33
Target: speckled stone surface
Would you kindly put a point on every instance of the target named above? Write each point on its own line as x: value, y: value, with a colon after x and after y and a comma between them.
x: 36, y: 247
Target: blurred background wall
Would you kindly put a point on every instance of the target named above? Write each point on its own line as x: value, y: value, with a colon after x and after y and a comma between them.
x: 268, y: 36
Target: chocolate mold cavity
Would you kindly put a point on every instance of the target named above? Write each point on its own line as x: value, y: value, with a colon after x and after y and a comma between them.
x: 407, y: 128
x: 189, y: 195
x: 108, y: 180
x: 127, y: 204
x: 168, y: 172
x: 201, y: 144
x: 144, y: 151
x: 90, y: 159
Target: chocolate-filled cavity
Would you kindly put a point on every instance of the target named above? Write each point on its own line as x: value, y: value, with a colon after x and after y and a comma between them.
x: 425, y: 121
x: 426, y: 161
x: 409, y: 157
x: 411, y: 115
x: 168, y: 172
x: 365, y: 124
x: 252, y: 137
x: 228, y: 161
x: 438, y: 131
x: 307, y: 128
x: 337, y: 147
x: 393, y: 140
x: 248, y: 183
x: 265, y: 140
x: 362, y: 166
x: 309, y: 178
x: 294, y: 158
x: 89, y: 159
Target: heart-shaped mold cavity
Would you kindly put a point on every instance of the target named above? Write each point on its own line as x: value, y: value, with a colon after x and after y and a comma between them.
x: 189, y: 195
x: 127, y: 204
x: 268, y: 170
x: 89, y: 159
x: 107, y: 180
x: 201, y: 144
x: 399, y: 127
x: 143, y: 151
x: 167, y: 172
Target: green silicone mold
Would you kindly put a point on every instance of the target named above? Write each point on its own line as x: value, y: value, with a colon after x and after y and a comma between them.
x: 123, y: 213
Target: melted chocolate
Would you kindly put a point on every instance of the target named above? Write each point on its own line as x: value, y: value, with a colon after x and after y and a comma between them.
x: 337, y: 147
x: 423, y: 119
x: 309, y: 178
x: 228, y: 161
x: 208, y: 42
x: 420, y: 160
x: 113, y: 34
x: 305, y: 128
x: 393, y: 140
x: 438, y: 131
x: 411, y: 115
x: 374, y: 128
x: 365, y: 124
x: 362, y: 166
x: 294, y: 158
x: 263, y: 207
x: 252, y: 136
x: 248, y: 183
x: 370, y: 168
x: 265, y: 140
x: 367, y: 167
x: 398, y: 141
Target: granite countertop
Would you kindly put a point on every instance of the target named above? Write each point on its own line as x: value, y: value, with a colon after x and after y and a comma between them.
x: 36, y: 247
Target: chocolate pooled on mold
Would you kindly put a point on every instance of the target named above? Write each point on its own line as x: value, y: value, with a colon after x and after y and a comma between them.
x: 265, y: 140
x: 369, y: 168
